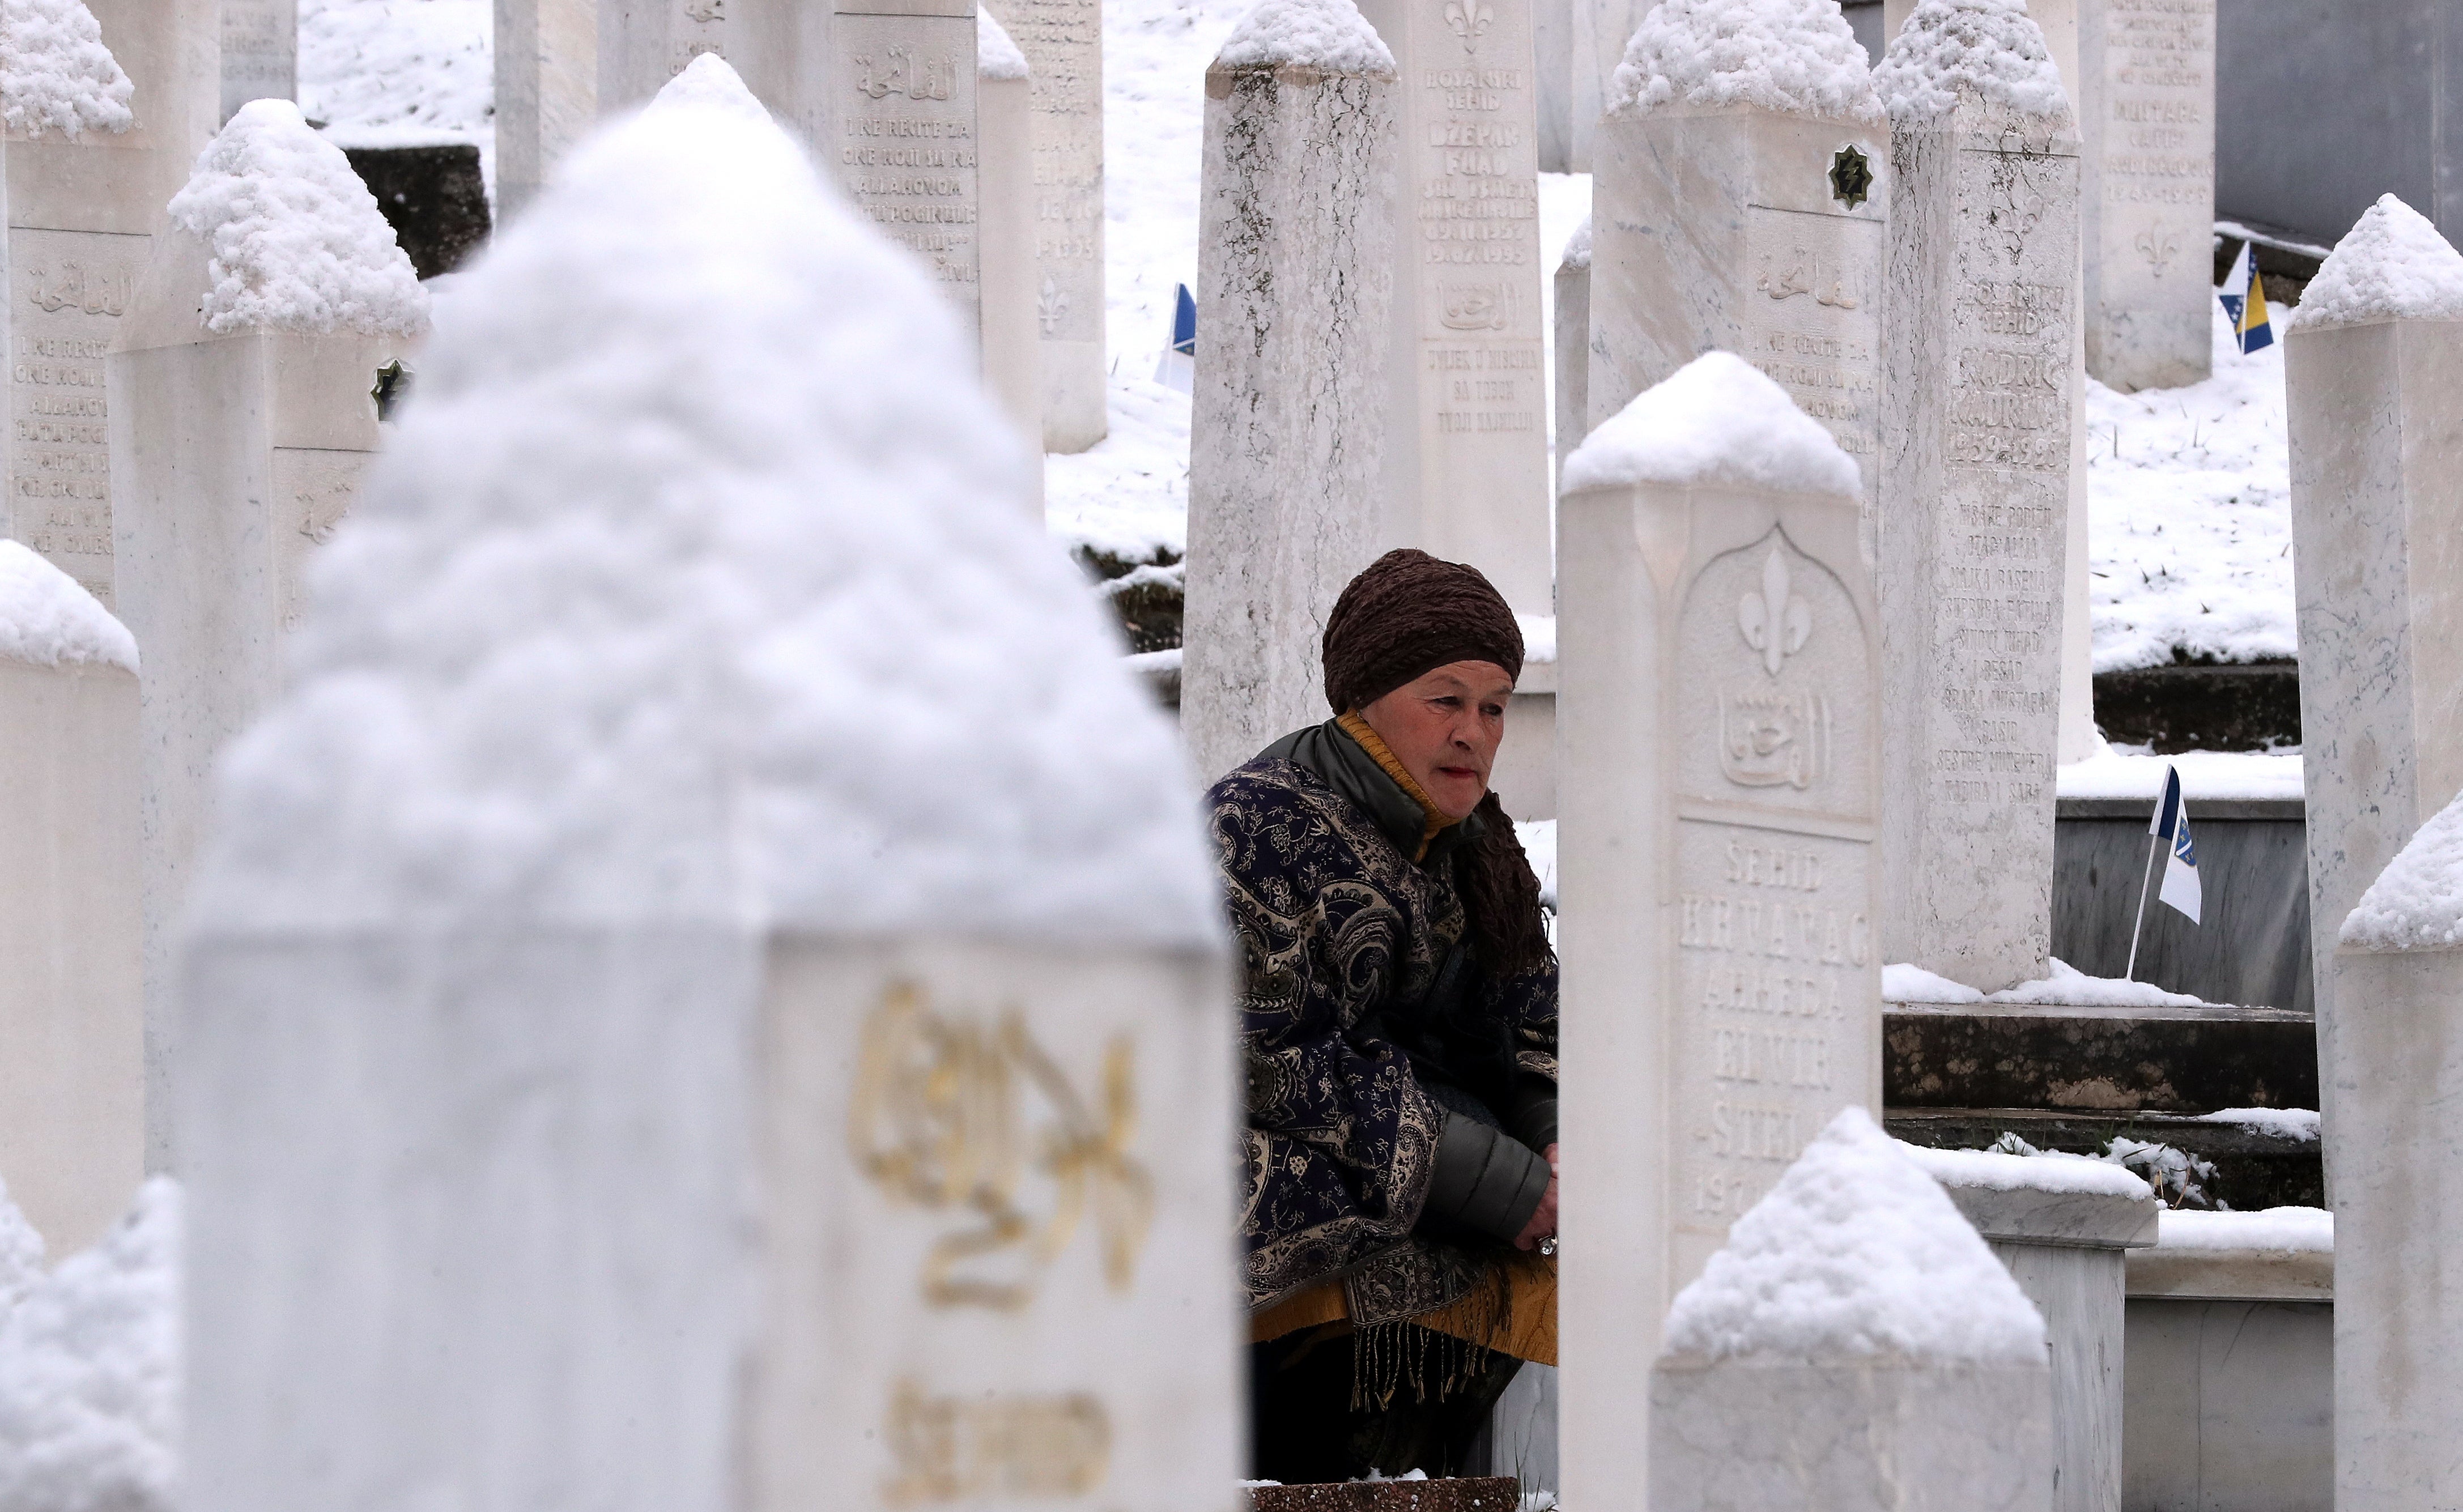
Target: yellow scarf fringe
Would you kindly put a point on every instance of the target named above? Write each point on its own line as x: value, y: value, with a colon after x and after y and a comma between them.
x: 1434, y: 818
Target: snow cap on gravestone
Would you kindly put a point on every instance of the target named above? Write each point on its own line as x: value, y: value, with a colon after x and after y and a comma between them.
x: 56, y: 73
x: 1717, y: 420
x: 2416, y: 904
x: 1990, y: 53
x: 1794, y: 55
x: 696, y: 588
x: 47, y: 620
x: 1577, y: 246
x: 1330, y: 35
x: 996, y: 57
x: 710, y: 82
x: 2390, y: 266
x: 294, y: 240
x: 1855, y: 1254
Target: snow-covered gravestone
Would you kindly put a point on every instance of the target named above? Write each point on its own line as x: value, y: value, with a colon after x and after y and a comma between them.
x: 246, y: 382
x: 1855, y: 1347
x: 547, y: 89
x: 1573, y: 334
x: 260, y: 51
x: 1982, y: 394
x: 1296, y: 278
x: 1718, y: 748
x: 72, y: 1080
x: 1063, y: 43
x: 1466, y: 459
x: 1739, y: 205
x: 2147, y: 116
x: 634, y: 1058
x: 2396, y: 1064
x: 1013, y: 367
x: 2373, y: 362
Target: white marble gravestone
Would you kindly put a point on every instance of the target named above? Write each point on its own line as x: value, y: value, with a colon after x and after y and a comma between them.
x: 1981, y: 396
x: 2146, y: 119
x: 897, y: 118
x: 2396, y: 1063
x: 2371, y: 365
x: 128, y: 97
x: 615, y: 1078
x: 1854, y: 1348
x: 260, y: 51
x: 1573, y: 342
x: 1465, y: 459
x: 1013, y: 364
x: 72, y: 1082
x: 1296, y: 272
x: 1718, y: 747
x: 1731, y: 214
x: 243, y: 408
x: 1063, y: 43
x: 547, y: 91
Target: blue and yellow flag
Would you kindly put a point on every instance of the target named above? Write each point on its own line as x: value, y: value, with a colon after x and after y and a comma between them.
x: 2244, y: 298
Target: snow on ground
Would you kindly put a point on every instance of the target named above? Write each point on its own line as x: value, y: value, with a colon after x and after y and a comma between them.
x: 2283, y: 1123
x: 2067, y: 987
x: 381, y: 72
x: 2124, y: 772
x: 2272, y: 1228
x: 2190, y: 520
x: 2041, y: 1170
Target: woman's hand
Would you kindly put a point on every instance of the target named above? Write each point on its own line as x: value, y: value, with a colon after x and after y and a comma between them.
x: 1543, y: 1217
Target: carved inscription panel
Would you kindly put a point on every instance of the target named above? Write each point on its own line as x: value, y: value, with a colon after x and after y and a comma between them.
x: 70, y: 289
x: 2157, y: 173
x: 314, y: 488
x: 1063, y: 43
x: 260, y: 47
x: 1811, y: 320
x: 905, y: 106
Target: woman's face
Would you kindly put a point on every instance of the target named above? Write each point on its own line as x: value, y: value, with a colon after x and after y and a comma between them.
x: 1445, y: 726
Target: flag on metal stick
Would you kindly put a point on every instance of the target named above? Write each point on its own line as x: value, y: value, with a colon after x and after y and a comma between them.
x: 2244, y: 298
x: 2169, y: 825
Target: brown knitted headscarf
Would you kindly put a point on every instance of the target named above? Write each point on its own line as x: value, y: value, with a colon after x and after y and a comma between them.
x: 1410, y: 613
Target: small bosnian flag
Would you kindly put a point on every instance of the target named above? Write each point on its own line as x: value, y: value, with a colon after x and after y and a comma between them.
x: 2244, y: 298
x: 1177, y: 367
x: 2181, y: 867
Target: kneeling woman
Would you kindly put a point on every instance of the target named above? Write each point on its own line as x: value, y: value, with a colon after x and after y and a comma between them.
x: 1398, y: 1021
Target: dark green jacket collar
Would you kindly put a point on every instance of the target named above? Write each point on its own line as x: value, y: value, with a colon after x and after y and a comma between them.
x: 1328, y: 750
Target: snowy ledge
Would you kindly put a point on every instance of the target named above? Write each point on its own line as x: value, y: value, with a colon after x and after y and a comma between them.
x: 2206, y: 776
x: 2279, y: 1254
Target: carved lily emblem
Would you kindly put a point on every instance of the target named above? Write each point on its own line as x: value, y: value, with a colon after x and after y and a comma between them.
x: 1470, y: 20
x: 1776, y: 622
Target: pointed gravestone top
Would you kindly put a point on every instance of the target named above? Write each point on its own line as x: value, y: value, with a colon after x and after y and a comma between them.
x: 56, y: 73
x: 1577, y: 246
x: 996, y: 57
x: 695, y: 587
x: 1988, y: 51
x: 1794, y: 56
x: 710, y: 81
x: 296, y: 241
x: 2416, y: 904
x: 1856, y: 1253
x: 46, y: 619
x: 1717, y: 420
x: 2390, y: 266
x: 1329, y: 34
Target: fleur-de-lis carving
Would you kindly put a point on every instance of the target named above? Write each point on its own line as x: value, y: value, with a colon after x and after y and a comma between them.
x: 1776, y: 622
x: 1470, y: 20
x: 1051, y: 305
x: 2159, y: 252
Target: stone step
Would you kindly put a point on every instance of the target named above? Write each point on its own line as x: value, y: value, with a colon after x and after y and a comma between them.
x: 1445, y: 1494
x: 2110, y: 1062
x: 2237, y: 706
x: 2254, y: 1169
x: 432, y: 196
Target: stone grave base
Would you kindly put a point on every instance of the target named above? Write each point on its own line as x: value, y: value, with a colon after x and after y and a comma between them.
x: 1453, y: 1494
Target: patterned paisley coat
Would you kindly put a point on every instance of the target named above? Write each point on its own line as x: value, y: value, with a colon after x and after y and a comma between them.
x: 1335, y: 923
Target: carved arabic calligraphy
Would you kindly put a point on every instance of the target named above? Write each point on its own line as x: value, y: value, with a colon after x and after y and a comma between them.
x: 975, y: 1122
x: 903, y: 71
x: 953, y: 1448
x: 1802, y: 275
x: 95, y: 291
x: 1770, y: 739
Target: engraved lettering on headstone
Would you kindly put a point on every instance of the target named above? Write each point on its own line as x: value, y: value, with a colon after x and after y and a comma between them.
x: 993, y: 1445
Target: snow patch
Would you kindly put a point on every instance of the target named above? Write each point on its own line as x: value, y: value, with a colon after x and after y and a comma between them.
x: 1987, y: 51
x: 2206, y: 776
x: 56, y: 73
x: 2390, y: 266
x: 1904, y: 982
x: 1577, y: 246
x: 1329, y: 34
x: 1796, y: 55
x: 996, y: 57
x: 90, y: 1364
x: 2283, y: 1123
x: 2416, y: 904
x: 1538, y: 637
x: 1856, y: 1252
x: 2281, y: 1230
x: 367, y: 67
x: 46, y: 619
x: 667, y: 605
x: 2040, y: 1171
x: 710, y: 82
x: 296, y: 239
x: 1538, y: 837
x: 1717, y: 420
x: 2070, y: 987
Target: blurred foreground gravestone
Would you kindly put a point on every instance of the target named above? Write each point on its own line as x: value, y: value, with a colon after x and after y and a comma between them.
x: 1855, y: 1347
x: 1286, y: 487
x: 1983, y: 395
x: 242, y: 385
x: 635, y: 1058
x: 1718, y: 756
x: 72, y: 1086
x: 2371, y: 367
